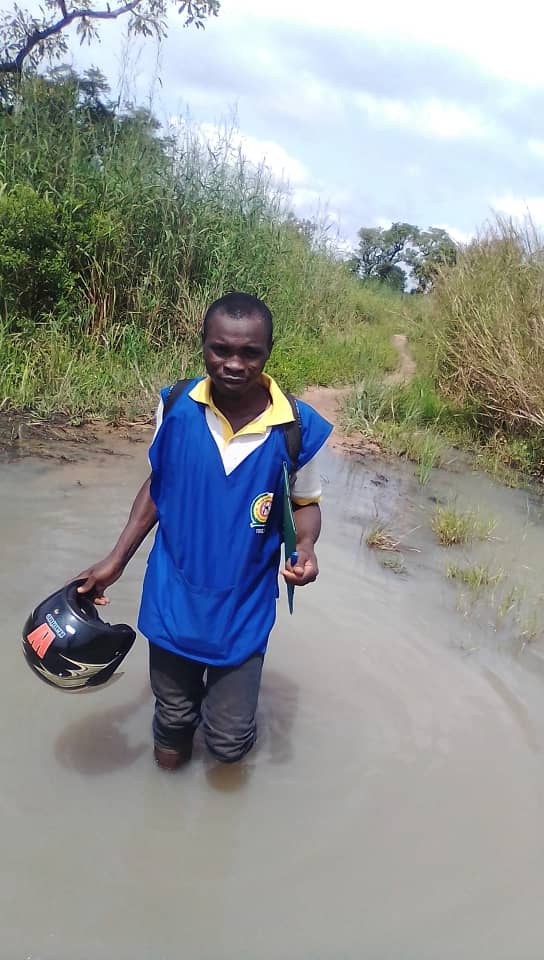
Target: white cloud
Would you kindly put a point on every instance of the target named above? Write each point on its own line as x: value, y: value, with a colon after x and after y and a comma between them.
x: 383, y: 223
x: 520, y: 208
x: 509, y: 46
x: 304, y: 100
x: 536, y: 147
x: 460, y: 236
x: 422, y: 144
x: 440, y: 119
x: 283, y: 166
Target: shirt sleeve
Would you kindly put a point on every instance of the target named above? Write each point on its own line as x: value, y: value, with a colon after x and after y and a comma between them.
x: 306, y: 486
x: 158, y: 420
x: 158, y: 417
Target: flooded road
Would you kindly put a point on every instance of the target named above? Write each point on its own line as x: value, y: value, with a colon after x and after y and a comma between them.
x: 393, y: 807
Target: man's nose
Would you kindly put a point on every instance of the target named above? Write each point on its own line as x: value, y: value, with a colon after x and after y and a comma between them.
x: 234, y: 364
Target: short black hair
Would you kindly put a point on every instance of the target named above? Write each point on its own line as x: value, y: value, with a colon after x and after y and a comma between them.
x: 240, y: 305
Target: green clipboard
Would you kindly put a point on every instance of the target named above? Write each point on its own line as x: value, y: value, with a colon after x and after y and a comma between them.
x: 289, y: 532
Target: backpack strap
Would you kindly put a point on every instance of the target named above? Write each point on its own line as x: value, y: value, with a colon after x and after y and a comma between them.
x: 175, y: 391
x: 292, y: 431
x: 293, y: 436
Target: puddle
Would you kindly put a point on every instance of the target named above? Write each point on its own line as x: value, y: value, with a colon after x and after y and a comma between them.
x: 392, y: 807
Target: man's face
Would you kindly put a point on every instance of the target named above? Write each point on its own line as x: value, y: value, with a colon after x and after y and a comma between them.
x: 235, y: 352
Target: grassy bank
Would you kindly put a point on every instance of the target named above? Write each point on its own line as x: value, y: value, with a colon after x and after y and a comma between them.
x: 118, y: 374
x: 113, y: 240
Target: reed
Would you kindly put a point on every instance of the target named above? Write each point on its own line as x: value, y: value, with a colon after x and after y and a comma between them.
x: 492, y: 328
x: 453, y: 527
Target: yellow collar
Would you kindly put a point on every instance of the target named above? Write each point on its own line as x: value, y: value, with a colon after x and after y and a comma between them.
x: 278, y: 412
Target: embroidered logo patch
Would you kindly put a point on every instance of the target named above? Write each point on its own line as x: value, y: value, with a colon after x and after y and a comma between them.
x: 260, y: 509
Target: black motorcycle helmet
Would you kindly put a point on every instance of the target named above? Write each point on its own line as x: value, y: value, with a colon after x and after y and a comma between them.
x: 67, y: 644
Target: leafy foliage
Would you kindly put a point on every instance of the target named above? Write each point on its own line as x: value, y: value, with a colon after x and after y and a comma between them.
x: 27, y: 38
x: 35, y: 275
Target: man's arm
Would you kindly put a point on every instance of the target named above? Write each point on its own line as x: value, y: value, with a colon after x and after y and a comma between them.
x: 308, y: 524
x: 142, y: 519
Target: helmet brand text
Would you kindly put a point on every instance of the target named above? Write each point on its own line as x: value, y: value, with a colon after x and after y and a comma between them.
x: 55, y: 626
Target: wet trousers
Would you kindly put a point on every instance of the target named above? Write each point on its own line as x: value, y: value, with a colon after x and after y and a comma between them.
x: 188, y: 692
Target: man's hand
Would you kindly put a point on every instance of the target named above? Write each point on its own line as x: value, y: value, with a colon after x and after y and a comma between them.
x: 308, y: 524
x: 305, y: 570
x: 100, y: 576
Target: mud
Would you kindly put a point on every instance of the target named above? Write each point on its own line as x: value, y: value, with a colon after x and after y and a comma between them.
x: 393, y: 805
x: 328, y: 401
x: 64, y: 439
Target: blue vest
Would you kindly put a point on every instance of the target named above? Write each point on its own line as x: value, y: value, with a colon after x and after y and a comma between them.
x: 211, y: 582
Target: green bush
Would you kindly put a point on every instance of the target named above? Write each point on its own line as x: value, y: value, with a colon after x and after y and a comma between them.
x: 35, y: 275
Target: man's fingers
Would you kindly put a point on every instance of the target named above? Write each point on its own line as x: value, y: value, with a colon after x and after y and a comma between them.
x: 300, y: 575
x: 89, y: 581
x: 91, y: 585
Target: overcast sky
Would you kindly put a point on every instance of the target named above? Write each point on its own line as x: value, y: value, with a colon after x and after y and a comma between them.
x: 425, y: 112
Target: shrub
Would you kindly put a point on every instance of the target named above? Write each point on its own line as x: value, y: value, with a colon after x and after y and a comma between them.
x: 35, y: 274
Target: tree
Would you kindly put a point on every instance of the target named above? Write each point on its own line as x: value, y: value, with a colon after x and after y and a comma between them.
x: 25, y: 39
x: 386, y: 253
x: 434, y: 248
x: 393, y: 277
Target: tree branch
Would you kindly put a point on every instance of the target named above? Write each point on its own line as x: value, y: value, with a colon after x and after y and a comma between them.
x: 38, y: 36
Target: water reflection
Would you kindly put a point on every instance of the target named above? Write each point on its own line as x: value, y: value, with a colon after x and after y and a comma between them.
x: 100, y: 742
x: 275, y: 717
x: 277, y: 710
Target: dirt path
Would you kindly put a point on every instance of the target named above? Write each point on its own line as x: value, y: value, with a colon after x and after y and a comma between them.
x: 407, y: 366
x: 328, y: 401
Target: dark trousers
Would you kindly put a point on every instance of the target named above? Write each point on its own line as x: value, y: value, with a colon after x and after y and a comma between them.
x: 225, y: 702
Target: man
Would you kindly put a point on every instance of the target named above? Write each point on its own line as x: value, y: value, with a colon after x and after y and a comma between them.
x: 216, y: 491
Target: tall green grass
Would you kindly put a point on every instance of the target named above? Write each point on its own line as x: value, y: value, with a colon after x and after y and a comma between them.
x: 113, y: 240
x: 119, y: 374
x: 405, y: 418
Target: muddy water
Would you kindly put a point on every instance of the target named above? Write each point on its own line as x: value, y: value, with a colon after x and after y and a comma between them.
x: 393, y: 808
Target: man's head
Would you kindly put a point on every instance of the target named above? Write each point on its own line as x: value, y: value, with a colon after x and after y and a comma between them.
x: 236, y: 340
